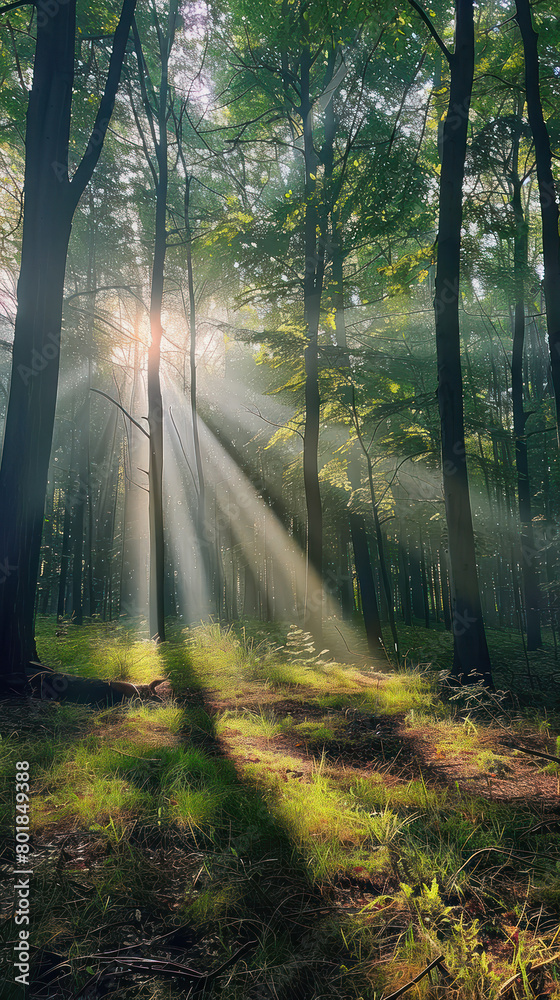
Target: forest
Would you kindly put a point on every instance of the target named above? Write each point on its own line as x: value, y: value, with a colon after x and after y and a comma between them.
x: 279, y: 499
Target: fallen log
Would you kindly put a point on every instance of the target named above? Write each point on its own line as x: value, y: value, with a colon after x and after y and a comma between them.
x: 49, y: 685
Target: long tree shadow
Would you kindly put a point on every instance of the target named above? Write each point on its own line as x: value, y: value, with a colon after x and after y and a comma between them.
x: 210, y: 894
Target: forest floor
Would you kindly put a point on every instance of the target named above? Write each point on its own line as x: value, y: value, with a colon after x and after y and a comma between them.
x: 283, y: 826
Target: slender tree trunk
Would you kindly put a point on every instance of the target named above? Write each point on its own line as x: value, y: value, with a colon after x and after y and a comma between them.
x: 80, y: 500
x: 50, y: 201
x: 90, y: 531
x: 445, y: 591
x: 65, y: 550
x: 416, y: 579
x: 366, y: 584
x: 192, y: 363
x: 111, y: 552
x: 82, y: 496
x: 345, y: 589
x: 471, y: 656
x: 155, y: 419
x: 155, y: 402
x: 404, y: 585
x: 436, y: 590
x: 201, y: 485
x: 48, y: 555
x: 104, y: 532
x: 364, y: 570
x: 250, y: 595
x: 424, y: 583
x: 312, y: 289
x: 547, y: 191
x: 530, y: 578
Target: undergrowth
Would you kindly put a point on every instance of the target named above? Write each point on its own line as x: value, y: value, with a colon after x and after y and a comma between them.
x: 341, y: 825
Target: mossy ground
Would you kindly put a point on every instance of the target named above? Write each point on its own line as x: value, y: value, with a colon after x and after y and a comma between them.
x: 343, y: 824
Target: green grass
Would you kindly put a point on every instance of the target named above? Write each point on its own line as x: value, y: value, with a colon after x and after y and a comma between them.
x: 227, y: 811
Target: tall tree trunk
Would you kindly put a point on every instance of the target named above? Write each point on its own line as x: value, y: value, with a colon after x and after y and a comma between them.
x: 50, y: 201
x: 312, y: 289
x: 35, y: 361
x: 547, y: 191
x: 201, y: 533
x: 155, y: 419
x: 155, y: 402
x: 90, y: 531
x: 362, y: 556
x: 530, y: 578
x: 471, y: 657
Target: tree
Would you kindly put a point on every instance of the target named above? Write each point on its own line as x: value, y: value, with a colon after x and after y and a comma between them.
x: 471, y: 658
x: 51, y: 198
x: 547, y: 192
x: 158, y: 127
x: 499, y: 146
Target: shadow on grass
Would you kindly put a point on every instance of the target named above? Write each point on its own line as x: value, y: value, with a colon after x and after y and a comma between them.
x: 154, y: 853
x: 184, y: 867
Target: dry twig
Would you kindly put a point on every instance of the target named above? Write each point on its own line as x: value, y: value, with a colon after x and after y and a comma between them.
x: 399, y: 993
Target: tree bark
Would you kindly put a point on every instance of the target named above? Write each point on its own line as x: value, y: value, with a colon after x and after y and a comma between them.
x: 471, y: 658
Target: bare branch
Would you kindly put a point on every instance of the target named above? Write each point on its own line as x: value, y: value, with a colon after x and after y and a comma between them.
x: 408, y: 986
x: 89, y: 160
x: 419, y: 10
x: 126, y: 413
x: 13, y: 6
